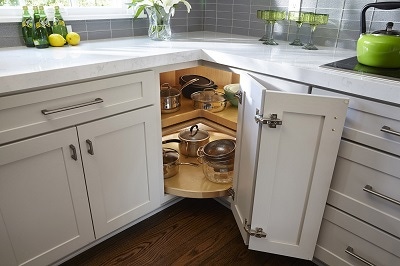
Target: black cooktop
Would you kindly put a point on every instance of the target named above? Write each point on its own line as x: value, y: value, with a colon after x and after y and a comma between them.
x: 351, y: 65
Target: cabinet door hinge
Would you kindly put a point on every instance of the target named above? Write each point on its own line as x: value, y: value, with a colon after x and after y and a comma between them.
x: 231, y: 193
x: 272, y: 121
x: 258, y: 232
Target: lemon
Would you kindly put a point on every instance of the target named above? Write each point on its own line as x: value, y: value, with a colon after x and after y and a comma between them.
x: 56, y: 40
x: 73, y: 38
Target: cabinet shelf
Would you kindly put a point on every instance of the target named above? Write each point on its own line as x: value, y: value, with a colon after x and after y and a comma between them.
x: 190, y: 182
x: 226, y: 118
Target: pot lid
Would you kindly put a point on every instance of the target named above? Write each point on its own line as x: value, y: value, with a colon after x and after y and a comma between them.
x: 388, y: 30
x: 201, y: 81
x: 170, y: 155
x: 194, y: 133
x: 168, y: 91
x: 208, y: 96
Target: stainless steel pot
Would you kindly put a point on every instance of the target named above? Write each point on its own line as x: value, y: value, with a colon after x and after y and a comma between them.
x: 171, y: 162
x: 209, y: 100
x: 190, y: 140
x: 170, y: 98
x: 217, y: 158
x: 218, y: 150
x: 218, y: 171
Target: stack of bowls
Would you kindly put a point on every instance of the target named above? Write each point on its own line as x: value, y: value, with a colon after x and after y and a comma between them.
x: 230, y: 91
x: 218, y: 160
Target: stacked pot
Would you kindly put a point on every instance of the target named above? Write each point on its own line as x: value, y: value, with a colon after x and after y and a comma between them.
x: 218, y: 160
x: 217, y: 157
x: 189, y: 142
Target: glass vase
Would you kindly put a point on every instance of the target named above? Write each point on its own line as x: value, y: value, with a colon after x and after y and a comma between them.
x: 159, y: 24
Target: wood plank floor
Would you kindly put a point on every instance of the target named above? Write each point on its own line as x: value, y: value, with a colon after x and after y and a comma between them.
x: 191, y: 232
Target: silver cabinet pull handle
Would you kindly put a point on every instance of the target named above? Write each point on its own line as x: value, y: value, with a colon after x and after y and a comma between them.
x: 369, y: 189
x: 73, y: 151
x: 79, y: 105
x: 349, y: 250
x: 388, y: 130
x: 90, y: 147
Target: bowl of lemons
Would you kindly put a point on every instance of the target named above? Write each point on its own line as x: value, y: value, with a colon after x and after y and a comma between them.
x: 230, y: 90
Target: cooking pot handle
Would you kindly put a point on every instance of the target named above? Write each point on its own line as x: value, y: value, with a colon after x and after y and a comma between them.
x: 380, y: 5
x: 191, y: 130
x: 188, y: 83
x: 192, y: 164
x: 165, y: 86
x: 200, y: 151
x: 170, y: 141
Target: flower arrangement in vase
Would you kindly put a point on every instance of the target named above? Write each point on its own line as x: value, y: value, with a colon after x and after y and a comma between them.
x: 159, y: 13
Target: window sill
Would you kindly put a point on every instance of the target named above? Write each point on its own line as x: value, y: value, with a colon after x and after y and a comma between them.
x: 70, y: 14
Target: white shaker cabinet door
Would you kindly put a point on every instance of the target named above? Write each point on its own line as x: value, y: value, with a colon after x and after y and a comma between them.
x: 283, y: 173
x: 44, y: 209
x: 122, y: 161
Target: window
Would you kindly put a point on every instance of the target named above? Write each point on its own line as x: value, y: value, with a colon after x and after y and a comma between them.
x: 11, y: 10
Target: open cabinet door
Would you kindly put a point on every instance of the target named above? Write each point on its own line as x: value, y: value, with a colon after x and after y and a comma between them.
x: 283, y: 173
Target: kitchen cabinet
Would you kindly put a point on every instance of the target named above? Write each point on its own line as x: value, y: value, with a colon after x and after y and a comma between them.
x: 362, y: 216
x: 44, y: 206
x: 220, y: 125
x: 118, y: 155
x: 283, y: 171
x: 63, y: 189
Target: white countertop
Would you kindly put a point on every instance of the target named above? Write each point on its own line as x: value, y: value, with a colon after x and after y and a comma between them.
x: 25, y: 68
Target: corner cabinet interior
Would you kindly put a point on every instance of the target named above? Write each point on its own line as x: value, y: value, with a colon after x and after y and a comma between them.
x: 76, y: 163
x: 287, y: 142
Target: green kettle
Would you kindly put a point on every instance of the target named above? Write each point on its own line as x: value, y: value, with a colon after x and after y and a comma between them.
x: 380, y: 48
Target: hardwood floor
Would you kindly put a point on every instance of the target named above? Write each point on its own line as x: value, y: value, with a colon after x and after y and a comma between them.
x: 191, y: 232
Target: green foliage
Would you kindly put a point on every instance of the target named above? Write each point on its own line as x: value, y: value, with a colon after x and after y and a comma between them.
x: 167, y: 5
x: 47, y: 2
x: 79, y: 3
x: 9, y: 2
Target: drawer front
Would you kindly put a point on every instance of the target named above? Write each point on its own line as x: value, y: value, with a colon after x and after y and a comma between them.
x: 340, y: 231
x: 41, y: 111
x: 357, y: 167
x: 374, y: 124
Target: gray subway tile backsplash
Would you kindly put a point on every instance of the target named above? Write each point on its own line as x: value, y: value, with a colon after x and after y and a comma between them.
x: 120, y: 24
x: 98, y: 25
x: 97, y: 35
x: 237, y: 17
x: 121, y: 33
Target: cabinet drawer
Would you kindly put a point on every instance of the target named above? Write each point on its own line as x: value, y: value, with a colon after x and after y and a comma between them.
x: 365, y: 120
x: 340, y: 231
x: 24, y: 114
x: 358, y: 166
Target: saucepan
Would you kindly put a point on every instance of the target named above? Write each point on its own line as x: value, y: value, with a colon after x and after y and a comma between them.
x: 209, y: 100
x: 171, y: 162
x: 190, y: 140
x: 170, y: 98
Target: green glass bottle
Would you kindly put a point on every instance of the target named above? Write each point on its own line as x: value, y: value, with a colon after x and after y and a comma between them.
x: 59, y: 23
x: 40, y: 38
x: 46, y: 22
x: 27, y: 27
